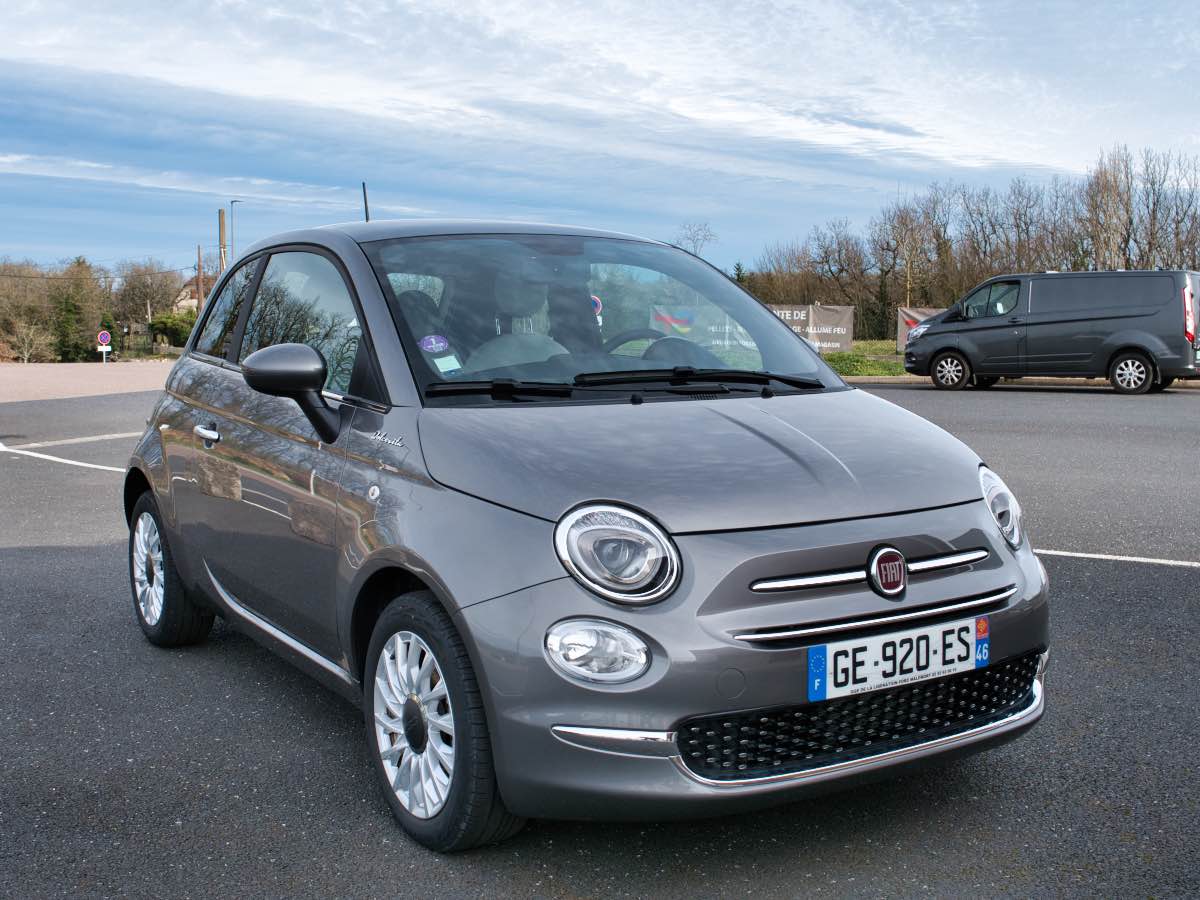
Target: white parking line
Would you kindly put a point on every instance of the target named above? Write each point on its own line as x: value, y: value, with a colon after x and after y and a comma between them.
x: 79, y: 440
x: 1181, y: 563
x: 59, y: 459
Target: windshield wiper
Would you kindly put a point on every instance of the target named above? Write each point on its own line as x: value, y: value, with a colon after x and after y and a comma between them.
x: 499, y: 389
x: 689, y: 375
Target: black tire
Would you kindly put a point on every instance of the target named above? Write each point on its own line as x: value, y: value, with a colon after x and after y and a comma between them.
x: 1161, y: 385
x: 950, y: 371
x: 181, y: 620
x: 473, y: 813
x: 982, y: 382
x: 1131, y: 373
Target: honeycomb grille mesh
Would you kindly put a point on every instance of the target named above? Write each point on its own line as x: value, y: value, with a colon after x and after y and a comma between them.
x: 798, y: 738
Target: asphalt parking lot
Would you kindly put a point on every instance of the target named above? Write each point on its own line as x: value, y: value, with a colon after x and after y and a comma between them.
x: 218, y: 770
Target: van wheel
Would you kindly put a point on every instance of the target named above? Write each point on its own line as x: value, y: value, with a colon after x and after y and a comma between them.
x: 951, y: 372
x: 427, y: 730
x: 1161, y: 385
x: 1131, y: 373
x: 985, y: 381
x: 167, y: 615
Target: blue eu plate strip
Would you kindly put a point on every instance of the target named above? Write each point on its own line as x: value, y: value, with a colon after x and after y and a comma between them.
x: 983, y: 640
x: 816, y: 673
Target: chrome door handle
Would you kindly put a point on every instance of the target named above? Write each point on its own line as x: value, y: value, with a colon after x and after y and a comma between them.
x: 208, y: 435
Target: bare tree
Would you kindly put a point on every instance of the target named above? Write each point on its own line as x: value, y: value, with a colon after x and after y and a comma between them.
x: 31, y: 338
x: 695, y: 236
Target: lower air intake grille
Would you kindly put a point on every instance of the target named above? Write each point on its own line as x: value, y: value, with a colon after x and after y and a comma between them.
x: 798, y: 738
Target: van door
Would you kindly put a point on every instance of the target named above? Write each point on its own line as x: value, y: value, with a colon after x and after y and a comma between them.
x: 992, y: 333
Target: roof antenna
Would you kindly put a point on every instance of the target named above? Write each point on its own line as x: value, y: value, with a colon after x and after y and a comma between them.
x: 366, y: 208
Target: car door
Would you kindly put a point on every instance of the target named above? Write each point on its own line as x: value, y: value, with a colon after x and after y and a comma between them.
x: 992, y: 332
x: 267, y: 484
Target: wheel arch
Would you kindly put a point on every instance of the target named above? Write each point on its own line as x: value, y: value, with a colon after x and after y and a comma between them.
x: 377, y: 590
x: 136, y: 484
x: 1139, y: 349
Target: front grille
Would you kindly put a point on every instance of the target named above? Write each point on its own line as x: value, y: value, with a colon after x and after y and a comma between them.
x: 798, y: 738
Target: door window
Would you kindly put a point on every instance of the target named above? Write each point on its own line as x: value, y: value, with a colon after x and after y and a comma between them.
x: 304, y: 300
x: 997, y: 299
x: 223, y: 311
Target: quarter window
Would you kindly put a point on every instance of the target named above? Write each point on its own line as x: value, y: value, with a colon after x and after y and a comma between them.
x: 304, y: 300
x: 223, y: 313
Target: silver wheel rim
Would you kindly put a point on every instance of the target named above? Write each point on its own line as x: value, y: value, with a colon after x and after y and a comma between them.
x: 148, y: 568
x: 949, y: 370
x: 414, y: 724
x: 1131, y: 374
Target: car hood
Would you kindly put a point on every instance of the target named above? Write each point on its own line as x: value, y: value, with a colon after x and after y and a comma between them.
x: 704, y: 465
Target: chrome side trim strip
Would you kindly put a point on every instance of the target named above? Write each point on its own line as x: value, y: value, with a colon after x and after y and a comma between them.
x: 1027, y: 715
x: 950, y: 561
x: 853, y: 624
x: 281, y: 636
x: 618, y: 740
x: 852, y: 576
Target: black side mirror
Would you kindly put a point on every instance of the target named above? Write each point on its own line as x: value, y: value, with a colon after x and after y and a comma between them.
x: 954, y: 314
x: 297, y: 371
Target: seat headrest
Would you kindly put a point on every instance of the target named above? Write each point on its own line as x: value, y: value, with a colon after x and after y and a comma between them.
x: 516, y: 297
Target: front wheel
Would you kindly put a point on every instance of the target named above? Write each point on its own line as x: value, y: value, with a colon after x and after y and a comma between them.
x: 428, y: 732
x: 1131, y: 373
x: 951, y: 372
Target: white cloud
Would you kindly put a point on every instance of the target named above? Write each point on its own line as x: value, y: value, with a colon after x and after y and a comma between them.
x: 674, y: 82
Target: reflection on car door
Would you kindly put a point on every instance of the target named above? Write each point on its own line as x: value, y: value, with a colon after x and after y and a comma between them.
x: 267, y: 485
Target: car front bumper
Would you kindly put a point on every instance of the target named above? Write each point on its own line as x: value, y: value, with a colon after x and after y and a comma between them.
x: 568, y: 750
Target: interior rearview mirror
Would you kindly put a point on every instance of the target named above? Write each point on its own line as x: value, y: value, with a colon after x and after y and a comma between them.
x: 296, y: 371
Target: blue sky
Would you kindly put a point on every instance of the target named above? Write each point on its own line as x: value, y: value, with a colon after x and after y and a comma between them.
x: 124, y: 126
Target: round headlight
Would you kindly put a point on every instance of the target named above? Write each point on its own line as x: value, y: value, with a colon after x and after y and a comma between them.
x: 594, y: 650
x: 617, y: 553
x: 1002, y: 505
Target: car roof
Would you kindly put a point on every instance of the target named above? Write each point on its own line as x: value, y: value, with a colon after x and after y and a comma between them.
x: 1098, y: 273
x: 385, y: 229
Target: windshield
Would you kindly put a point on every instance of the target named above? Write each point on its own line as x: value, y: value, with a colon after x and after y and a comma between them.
x: 552, y: 308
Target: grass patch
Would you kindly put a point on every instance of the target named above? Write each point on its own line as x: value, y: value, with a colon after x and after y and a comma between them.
x: 859, y: 364
x: 875, y: 348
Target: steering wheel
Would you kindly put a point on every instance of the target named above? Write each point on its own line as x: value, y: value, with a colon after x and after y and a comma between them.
x: 634, y: 334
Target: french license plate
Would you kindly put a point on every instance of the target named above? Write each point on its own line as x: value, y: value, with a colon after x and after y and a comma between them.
x: 869, y: 664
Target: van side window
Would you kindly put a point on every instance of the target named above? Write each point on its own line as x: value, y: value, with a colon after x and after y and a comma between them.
x: 223, y: 311
x: 1084, y: 292
x: 997, y: 299
x: 303, y: 300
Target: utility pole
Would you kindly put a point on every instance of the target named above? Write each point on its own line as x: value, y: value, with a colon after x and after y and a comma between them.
x: 366, y: 208
x: 221, y: 238
x: 199, y: 282
x: 232, y: 246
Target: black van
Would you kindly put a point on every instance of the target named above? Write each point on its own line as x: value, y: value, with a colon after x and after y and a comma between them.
x: 1137, y: 329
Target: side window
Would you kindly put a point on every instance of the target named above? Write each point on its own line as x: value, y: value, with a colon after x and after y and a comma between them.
x: 303, y: 300
x: 994, y: 300
x: 223, y: 311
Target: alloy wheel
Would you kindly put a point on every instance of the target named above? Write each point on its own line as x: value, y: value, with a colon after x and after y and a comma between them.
x: 414, y: 724
x: 1131, y: 374
x: 148, y: 571
x: 949, y: 370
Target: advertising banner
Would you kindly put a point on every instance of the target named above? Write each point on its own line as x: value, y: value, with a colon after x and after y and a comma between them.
x: 831, y: 328
x: 908, y: 317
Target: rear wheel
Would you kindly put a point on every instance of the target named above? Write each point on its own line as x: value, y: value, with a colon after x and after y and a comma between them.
x: 985, y: 381
x: 1131, y: 373
x: 950, y: 372
x: 167, y: 615
x: 428, y: 733
x: 1161, y: 385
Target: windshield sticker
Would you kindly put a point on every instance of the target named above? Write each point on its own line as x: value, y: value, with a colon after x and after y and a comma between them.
x: 447, y: 363
x: 434, y: 343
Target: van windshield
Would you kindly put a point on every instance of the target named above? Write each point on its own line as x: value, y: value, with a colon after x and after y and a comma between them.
x: 563, y: 309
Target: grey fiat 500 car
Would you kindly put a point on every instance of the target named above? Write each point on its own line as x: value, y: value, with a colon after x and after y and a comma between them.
x: 585, y: 529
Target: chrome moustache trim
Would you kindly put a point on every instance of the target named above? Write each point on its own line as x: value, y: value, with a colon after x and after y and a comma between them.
x: 854, y: 576
x: 661, y: 744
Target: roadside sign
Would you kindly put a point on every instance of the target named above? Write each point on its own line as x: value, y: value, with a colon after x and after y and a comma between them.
x: 104, y: 338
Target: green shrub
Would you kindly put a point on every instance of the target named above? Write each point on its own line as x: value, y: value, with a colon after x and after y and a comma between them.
x: 175, y: 327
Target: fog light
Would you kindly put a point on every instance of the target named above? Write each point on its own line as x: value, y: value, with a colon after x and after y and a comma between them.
x: 594, y: 650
